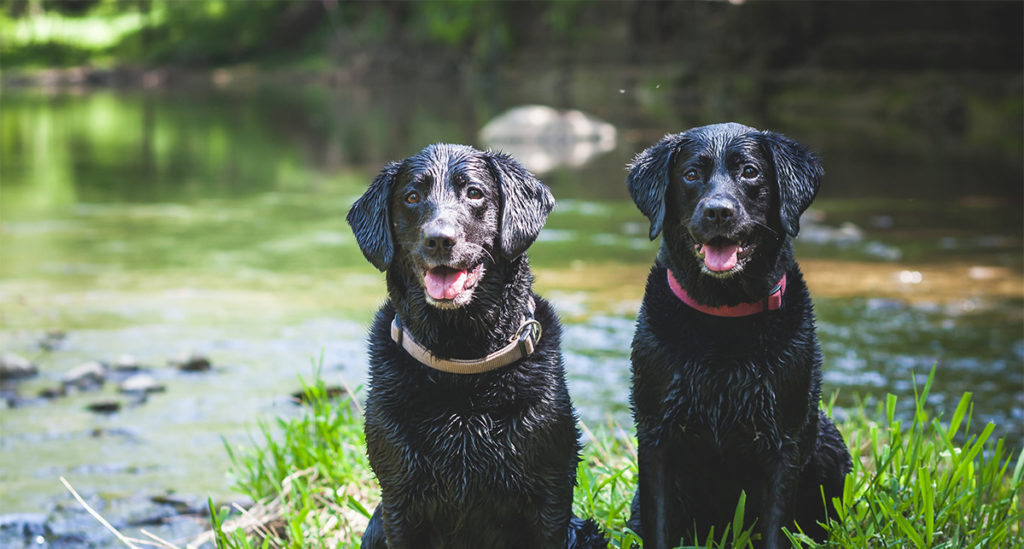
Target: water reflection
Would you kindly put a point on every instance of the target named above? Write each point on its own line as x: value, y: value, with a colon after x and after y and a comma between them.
x: 543, y: 138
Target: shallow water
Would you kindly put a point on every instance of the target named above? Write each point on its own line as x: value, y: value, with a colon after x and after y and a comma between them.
x: 166, y: 223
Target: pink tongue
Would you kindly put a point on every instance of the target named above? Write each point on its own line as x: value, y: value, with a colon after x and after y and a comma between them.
x: 720, y: 258
x: 445, y: 283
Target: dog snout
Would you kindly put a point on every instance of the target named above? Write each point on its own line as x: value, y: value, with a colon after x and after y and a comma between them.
x: 439, y: 238
x: 718, y: 210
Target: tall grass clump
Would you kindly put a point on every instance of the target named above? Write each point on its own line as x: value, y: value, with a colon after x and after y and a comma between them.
x: 927, y: 484
x: 309, y: 476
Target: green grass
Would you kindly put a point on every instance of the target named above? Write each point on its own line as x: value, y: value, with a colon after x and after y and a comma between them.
x: 923, y: 482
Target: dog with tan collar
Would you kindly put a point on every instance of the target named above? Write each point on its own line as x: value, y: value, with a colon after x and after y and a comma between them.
x: 469, y: 426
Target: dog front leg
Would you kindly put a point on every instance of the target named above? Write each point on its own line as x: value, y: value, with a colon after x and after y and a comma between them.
x: 397, y: 528
x: 656, y: 498
x: 373, y: 537
x: 777, y: 503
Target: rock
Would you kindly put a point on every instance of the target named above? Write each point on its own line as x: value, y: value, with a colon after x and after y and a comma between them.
x: 85, y: 377
x: 141, y: 383
x: 14, y: 366
x: 194, y: 363
x: 331, y: 392
x: 543, y: 138
x: 181, y: 505
x: 127, y: 363
x: 52, y: 339
x: 52, y: 392
x: 23, y: 527
x: 104, y: 406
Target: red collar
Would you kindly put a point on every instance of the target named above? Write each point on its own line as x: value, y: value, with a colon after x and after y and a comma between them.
x: 770, y: 303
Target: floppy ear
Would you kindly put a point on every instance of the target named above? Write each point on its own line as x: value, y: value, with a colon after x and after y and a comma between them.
x: 798, y: 176
x: 370, y: 219
x: 649, y: 177
x: 525, y: 204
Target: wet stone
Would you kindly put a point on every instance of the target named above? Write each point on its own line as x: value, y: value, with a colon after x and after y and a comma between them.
x: 330, y: 392
x: 13, y: 366
x: 52, y: 392
x: 127, y: 363
x: 87, y: 376
x: 193, y: 363
x: 104, y: 406
x: 52, y: 339
x: 141, y: 383
x: 22, y: 527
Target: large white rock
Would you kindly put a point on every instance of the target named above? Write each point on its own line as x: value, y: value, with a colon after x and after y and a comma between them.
x: 543, y: 138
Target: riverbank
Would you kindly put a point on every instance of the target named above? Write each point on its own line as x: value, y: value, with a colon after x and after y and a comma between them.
x: 928, y: 482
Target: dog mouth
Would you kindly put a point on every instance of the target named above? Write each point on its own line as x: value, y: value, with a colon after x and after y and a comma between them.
x: 448, y: 284
x: 722, y: 255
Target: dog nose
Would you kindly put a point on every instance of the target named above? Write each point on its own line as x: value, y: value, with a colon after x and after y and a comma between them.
x: 439, y: 238
x: 718, y: 210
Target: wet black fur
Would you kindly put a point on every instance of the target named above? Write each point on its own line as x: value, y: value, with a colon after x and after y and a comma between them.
x: 724, y: 405
x: 485, y: 460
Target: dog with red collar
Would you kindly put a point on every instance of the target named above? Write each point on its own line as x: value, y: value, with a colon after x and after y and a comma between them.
x: 725, y: 361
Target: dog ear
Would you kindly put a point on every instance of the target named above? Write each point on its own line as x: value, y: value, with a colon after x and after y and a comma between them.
x: 370, y: 219
x: 798, y: 176
x: 648, y: 179
x: 525, y: 204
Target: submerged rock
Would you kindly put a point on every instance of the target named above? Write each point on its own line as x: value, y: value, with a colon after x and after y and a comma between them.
x: 13, y: 366
x: 127, y: 363
x: 85, y: 377
x: 141, y: 383
x: 22, y: 528
x: 104, y: 406
x: 193, y: 363
x: 330, y: 392
x: 52, y: 339
x: 50, y: 393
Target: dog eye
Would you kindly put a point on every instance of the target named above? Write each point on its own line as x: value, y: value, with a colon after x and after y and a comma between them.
x: 691, y: 175
x: 412, y: 197
x: 750, y: 172
x: 474, y: 193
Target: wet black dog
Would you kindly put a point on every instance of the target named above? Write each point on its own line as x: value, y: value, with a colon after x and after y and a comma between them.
x: 726, y: 363
x: 469, y: 451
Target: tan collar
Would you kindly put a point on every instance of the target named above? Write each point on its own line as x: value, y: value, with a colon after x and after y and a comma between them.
x: 520, y: 345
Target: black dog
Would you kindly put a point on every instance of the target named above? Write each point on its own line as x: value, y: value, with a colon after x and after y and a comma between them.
x: 469, y: 426
x: 726, y: 363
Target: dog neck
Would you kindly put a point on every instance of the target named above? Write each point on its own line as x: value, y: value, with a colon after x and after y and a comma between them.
x: 520, y: 345
x: 772, y: 302
x: 481, y: 327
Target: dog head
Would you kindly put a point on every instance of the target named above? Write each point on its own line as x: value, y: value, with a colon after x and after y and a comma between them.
x: 445, y: 215
x: 723, y: 191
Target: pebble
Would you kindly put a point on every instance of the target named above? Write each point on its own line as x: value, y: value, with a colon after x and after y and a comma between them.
x: 24, y: 525
x: 52, y: 392
x: 104, y: 406
x: 87, y: 376
x: 141, y: 383
x: 14, y: 366
x: 194, y: 363
x: 52, y: 339
x: 127, y: 363
x: 330, y: 392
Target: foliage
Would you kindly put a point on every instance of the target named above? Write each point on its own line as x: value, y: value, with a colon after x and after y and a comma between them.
x: 913, y: 486
x: 310, y: 476
x: 918, y: 486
